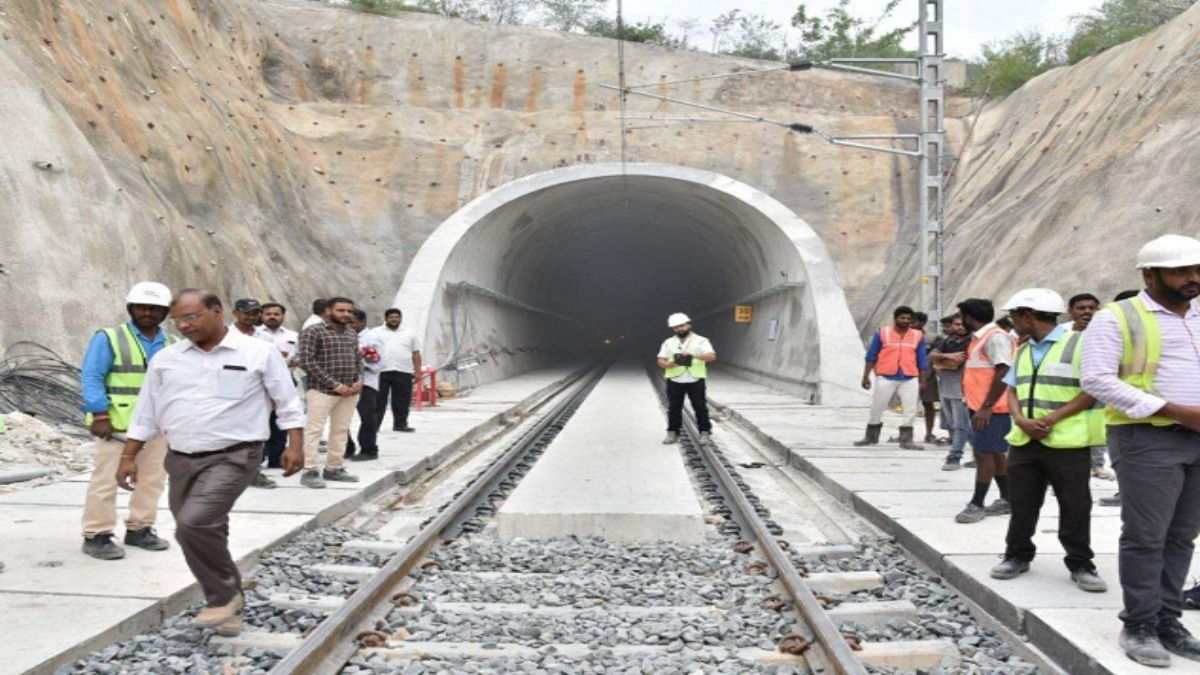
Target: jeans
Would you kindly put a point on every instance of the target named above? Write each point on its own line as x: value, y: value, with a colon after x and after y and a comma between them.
x: 697, y: 393
x: 400, y: 387
x: 1159, y: 478
x: 957, y: 421
x: 1033, y: 466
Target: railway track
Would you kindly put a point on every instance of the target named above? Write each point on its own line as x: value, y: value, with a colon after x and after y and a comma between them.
x: 453, y: 598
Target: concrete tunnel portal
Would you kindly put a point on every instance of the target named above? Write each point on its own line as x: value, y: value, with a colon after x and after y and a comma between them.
x: 547, y: 268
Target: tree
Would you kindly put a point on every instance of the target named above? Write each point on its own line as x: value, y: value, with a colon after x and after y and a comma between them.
x: 721, y: 25
x: 645, y: 31
x: 1009, y: 64
x: 1118, y: 21
x: 757, y: 37
x: 567, y: 15
x: 839, y: 33
x: 687, y: 26
x: 491, y: 11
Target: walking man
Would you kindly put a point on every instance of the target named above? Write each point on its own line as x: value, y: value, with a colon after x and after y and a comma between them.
x: 897, y: 357
x: 247, y: 314
x: 949, y: 355
x: 286, y: 341
x: 684, y: 359
x: 369, y: 349
x: 989, y: 358
x: 1141, y: 356
x: 210, y: 396
x: 113, y: 372
x: 329, y: 356
x: 1050, y: 439
x: 401, y: 360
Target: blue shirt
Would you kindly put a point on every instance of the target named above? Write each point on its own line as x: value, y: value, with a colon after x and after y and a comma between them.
x: 99, y: 360
x: 877, y: 344
x: 1038, y: 350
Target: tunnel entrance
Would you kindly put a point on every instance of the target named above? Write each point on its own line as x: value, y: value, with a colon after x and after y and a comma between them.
x: 580, y: 261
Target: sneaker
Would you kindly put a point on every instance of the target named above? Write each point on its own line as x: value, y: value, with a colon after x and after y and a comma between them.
x: 1177, y: 639
x: 312, y: 479
x: 1009, y: 568
x: 951, y: 466
x: 262, y: 481
x: 339, y: 475
x: 1114, y: 500
x: 1191, y: 597
x: 406, y: 429
x: 672, y: 438
x: 102, y: 547
x: 365, y: 456
x: 146, y: 538
x: 1103, y: 473
x: 1088, y: 580
x: 971, y: 514
x: 216, y: 616
x: 969, y: 464
x: 1000, y: 507
x: 1141, y: 643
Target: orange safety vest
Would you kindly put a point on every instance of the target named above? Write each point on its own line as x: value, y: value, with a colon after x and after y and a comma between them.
x: 979, y: 372
x: 898, y: 352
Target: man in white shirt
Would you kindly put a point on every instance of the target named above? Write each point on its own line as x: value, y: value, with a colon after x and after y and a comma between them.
x: 286, y: 341
x: 401, y: 360
x: 684, y: 359
x: 370, y: 348
x: 210, y: 396
x: 247, y: 313
x: 320, y: 314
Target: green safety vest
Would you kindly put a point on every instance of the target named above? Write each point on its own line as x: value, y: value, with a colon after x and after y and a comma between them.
x: 1048, y: 387
x: 698, y: 369
x: 1141, y: 356
x: 125, y: 378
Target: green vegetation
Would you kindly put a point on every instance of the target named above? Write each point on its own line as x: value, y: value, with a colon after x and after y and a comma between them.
x: 839, y: 33
x: 1118, y: 21
x: 385, y: 7
x: 1009, y: 64
x: 647, y: 32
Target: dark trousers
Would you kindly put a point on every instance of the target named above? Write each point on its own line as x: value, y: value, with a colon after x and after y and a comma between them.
x: 697, y: 394
x: 273, y: 448
x: 202, y: 492
x: 368, y: 430
x: 1031, y: 468
x: 1159, y: 478
x: 399, y: 386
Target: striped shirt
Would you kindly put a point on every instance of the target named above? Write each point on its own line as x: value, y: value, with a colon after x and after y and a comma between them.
x: 1178, y: 377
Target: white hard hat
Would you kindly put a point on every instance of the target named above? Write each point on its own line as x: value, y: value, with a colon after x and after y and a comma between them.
x: 678, y: 319
x: 149, y: 293
x: 1037, y: 299
x: 1169, y: 250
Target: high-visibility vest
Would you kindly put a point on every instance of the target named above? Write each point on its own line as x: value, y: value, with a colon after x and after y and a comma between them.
x: 125, y: 378
x: 979, y: 372
x: 898, y: 352
x: 698, y: 369
x: 1050, y: 385
x: 1139, y: 361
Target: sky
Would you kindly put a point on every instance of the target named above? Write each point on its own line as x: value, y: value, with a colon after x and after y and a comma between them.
x: 969, y: 23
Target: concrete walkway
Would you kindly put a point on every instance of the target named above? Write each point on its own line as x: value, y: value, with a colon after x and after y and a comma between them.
x: 607, y: 474
x: 907, y: 495
x: 56, y: 603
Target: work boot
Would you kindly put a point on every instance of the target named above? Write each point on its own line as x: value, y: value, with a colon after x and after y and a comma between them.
x: 872, y: 437
x: 262, y: 481
x: 1114, y: 500
x: 1000, y: 507
x: 312, y: 479
x: 1177, y: 639
x: 1141, y: 643
x: 906, y: 440
x: 672, y: 438
x: 146, y: 538
x: 365, y: 456
x: 215, y: 616
x: 1088, y: 580
x: 102, y: 547
x: 1009, y: 568
x: 339, y: 475
x: 972, y: 513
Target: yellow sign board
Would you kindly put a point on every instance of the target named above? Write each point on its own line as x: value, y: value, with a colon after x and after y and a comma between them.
x: 743, y: 313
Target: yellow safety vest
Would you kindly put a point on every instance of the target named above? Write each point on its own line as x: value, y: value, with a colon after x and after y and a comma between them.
x: 698, y: 369
x: 1142, y: 354
x: 125, y: 378
x: 1049, y: 386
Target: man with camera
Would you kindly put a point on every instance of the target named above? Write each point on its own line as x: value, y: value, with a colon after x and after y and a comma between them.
x: 684, y: 359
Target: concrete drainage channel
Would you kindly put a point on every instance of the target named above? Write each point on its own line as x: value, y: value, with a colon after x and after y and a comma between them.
x: 475, y: 604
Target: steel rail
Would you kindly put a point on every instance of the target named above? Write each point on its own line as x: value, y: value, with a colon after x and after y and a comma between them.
x: 333, y: 643
x: 841, y: 656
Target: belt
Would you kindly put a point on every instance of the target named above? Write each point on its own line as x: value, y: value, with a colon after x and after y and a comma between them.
x: 240, y: 446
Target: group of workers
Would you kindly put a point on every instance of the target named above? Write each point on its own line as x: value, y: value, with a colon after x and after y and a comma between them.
x: 208, y: 410
x: 1039, y: 401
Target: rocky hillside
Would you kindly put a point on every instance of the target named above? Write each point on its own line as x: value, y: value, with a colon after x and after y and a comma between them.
x: 284, y: 149
x: 1060, y: 183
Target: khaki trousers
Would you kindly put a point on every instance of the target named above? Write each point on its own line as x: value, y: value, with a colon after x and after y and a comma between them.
x: 339, y: 410
x: 203, y: 490
x: 100, y: 505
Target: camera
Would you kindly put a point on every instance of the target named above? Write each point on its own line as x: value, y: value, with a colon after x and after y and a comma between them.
x: 684, y: 360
